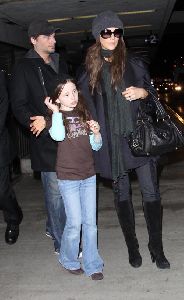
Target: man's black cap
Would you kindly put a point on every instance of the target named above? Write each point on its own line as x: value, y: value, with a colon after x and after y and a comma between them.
x: 41, y: 27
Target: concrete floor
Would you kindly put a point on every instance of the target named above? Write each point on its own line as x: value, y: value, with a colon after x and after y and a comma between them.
x: 30, y: 270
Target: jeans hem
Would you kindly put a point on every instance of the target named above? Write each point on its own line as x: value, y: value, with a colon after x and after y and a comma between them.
x: 91, y: 273
x: 67, y: 268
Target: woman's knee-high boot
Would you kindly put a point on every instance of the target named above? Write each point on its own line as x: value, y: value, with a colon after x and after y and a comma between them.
x: 153, y: 216
x: 126, y: 219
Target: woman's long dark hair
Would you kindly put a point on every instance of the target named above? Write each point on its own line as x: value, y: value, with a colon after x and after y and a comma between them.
x: 94, y: 62
x: 80, y: 108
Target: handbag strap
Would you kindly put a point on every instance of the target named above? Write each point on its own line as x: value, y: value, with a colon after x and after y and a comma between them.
x: 161, y: 112
x: 142, y: 117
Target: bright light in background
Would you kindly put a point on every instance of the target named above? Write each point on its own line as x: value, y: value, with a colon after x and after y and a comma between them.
x: 178, y: 88
x: 180, y: 109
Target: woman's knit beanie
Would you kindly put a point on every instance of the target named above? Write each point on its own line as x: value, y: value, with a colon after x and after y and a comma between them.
x: 106, y: 19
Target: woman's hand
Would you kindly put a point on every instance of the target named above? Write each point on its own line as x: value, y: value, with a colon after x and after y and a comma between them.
x: 134, y: 93
x: 93, y: 126
x: 37, y: 125
x: 50, y: 105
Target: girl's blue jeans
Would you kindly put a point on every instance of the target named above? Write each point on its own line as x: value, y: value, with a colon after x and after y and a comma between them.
x: 79, y: 198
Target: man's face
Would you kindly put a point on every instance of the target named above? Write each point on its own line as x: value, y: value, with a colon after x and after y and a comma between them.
x: 44, y: 43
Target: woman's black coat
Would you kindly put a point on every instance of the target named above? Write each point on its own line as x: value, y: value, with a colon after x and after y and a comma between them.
x: 136, y: 74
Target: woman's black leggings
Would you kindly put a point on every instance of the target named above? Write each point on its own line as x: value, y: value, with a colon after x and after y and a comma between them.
x: 148, y: 182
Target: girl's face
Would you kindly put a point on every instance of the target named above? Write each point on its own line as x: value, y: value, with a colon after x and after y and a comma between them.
x: 111, y: 42
x: 68, y: 98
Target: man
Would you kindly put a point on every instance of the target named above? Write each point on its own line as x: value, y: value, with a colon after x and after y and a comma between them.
x: 34, y: 78
x: 8, y: 202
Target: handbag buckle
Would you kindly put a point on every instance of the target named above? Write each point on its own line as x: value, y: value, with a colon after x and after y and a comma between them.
x: 135, y: 143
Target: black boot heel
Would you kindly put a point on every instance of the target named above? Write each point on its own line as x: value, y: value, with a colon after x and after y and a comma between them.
x: 160, y: 260
x: 152, y: 257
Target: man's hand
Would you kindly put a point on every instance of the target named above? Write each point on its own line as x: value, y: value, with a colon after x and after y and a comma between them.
x: 37, y: 125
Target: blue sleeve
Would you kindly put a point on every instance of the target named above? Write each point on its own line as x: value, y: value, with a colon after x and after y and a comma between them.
x: 95, y: 145
x: 57, y: 130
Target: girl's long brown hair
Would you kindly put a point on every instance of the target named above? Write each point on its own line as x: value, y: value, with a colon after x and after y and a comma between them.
x: 94, y: 62
x: 80, y: 108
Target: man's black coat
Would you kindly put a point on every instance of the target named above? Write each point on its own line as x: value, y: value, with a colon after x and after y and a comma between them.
x: 6, y: 147
x: 27, y: 95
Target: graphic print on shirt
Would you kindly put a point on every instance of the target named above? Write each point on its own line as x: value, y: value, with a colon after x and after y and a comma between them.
x: 76, y: 128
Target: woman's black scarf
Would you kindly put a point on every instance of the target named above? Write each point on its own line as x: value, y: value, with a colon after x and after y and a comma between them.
x: 119, y: 117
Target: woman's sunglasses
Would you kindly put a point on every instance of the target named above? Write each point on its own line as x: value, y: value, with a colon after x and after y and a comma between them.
x: 107, y: 33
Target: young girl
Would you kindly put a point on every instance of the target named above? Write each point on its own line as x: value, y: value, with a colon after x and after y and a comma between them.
x: 76, y: 134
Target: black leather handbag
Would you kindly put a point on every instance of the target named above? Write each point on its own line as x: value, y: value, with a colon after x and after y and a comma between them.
x: 159, y: 135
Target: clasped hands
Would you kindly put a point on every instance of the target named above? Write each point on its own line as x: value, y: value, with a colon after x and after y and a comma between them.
x: 38, y: 122
x: 37, y: 125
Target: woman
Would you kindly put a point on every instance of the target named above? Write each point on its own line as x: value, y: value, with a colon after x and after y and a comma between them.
x: 118, y: 84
